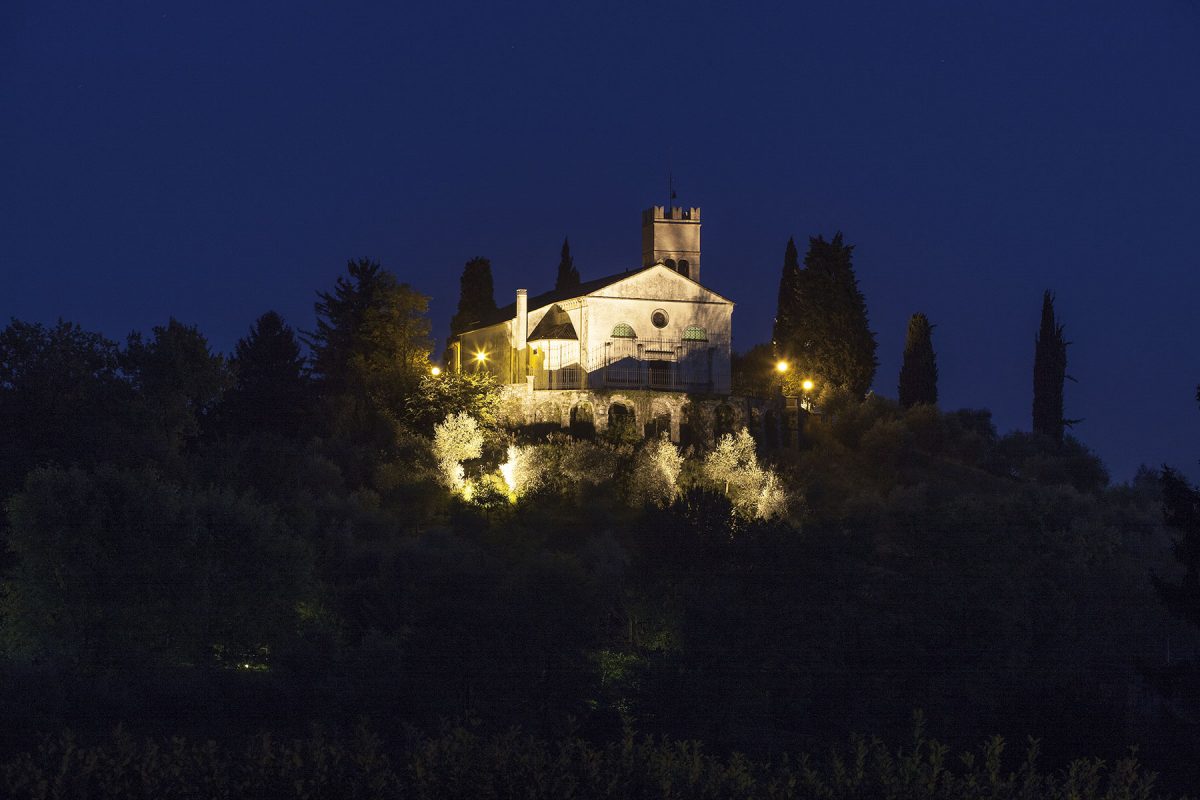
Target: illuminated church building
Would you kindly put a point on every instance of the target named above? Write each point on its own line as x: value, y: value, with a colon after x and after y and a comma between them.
x: 640, y: 342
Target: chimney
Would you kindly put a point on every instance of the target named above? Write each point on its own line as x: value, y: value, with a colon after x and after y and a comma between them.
x: 522, y: 318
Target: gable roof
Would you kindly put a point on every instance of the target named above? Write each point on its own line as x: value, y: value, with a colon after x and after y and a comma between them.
x: 556, y: 324
x: 505, y: 313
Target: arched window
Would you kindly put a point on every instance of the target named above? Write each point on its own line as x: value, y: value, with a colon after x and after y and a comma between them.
x: 670, y: 262
x: 623, y: 331
x: 694, y: 333
x: 685, y: 269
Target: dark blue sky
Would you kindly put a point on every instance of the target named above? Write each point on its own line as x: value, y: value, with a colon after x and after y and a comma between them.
x: 212, y: 161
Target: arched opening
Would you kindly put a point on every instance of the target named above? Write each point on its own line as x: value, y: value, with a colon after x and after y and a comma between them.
x: 696, y: 428
x: 659, y: 424
x: 723, y: 424
x: 694, y: 333
x: 685, y: 269
x: 622, y: 423
x: 670, y: 262
x: 583, y: 421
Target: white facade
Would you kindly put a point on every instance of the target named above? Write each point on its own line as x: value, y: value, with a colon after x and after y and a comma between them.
x: 652, y: 328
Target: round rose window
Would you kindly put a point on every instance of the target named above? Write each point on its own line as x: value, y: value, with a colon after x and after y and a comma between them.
x: 659, y: 318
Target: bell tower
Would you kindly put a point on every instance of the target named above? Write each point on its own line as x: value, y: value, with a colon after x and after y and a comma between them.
x: 672, y: 236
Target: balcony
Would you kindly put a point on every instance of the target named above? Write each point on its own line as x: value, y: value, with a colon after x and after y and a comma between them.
x: 619, y: 363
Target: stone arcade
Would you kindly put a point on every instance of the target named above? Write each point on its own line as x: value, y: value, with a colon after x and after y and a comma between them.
x: 644, y: 342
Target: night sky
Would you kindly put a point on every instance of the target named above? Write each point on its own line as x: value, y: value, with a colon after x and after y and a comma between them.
x: 212, y: 161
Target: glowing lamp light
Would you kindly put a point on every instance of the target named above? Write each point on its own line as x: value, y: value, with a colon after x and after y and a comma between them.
x: 481, y: 356
x: 781, y: 366
x: 435, y: 371
x: 807, y: 384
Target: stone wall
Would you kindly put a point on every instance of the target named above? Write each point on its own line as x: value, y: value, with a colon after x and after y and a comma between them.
x: 707, y: 415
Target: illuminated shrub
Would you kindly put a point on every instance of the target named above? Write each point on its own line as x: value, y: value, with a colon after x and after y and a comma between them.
x: 455, y: 440
x: 733, y: 467
x: 656, y: 473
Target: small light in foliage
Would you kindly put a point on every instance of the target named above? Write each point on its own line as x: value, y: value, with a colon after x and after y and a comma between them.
x: 807, y: 384
x: 435, y: 371
x: 781, y: 366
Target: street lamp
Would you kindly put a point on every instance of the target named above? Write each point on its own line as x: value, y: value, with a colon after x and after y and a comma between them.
x: 806, y: 387
x: 781, y: 366
x: 435, y: 371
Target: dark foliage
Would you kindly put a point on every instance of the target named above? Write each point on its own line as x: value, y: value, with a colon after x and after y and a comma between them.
x: 476, y: 298
x: 466, y: 763
x: 918, y: 371
x: 568, y: 276
x: 117, y: 568
x: 178, y: 378
x: 1049, y: 374
x: 825, y: 330
x: 788, y: 308
x: 1181, y: 508
x: 370, y: 351
x: 194, y: 565
x: 64, y: 400
x: 271, y: 390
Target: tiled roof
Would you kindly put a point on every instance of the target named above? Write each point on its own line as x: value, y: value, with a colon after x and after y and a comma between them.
x: 505, y: 313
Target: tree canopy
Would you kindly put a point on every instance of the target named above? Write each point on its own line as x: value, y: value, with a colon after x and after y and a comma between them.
x: 918, y: 370
x: 824, y: 331
x: 270, y: 390
x: 476, y: 298
x: 371, y: 349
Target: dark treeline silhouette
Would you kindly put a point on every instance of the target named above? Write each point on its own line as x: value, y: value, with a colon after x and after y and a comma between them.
x: 203, y: 546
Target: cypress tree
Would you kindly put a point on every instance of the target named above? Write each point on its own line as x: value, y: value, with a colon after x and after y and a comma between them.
x: 785, y: 313
x: 1049, y: 372
x: 918, y: 372
x: 830, y: 339
x: 568, y: 276
x: 476, y: 299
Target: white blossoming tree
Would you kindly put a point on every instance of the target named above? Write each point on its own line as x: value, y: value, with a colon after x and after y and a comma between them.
x: 756, y: 492
x: 656, y: 473
x: 455, y: 440
x: 519, y: 472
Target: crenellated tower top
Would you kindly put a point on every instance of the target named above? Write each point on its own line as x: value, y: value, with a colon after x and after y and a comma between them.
x: 672, y: 236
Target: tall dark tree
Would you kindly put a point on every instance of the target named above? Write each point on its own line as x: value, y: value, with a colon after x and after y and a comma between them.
x: 918, y: 371
x: 826, y: 333
x: 476, y: 298
x: 370, y: 351
x: 568, y: 276
x: 786, y: 310
x: 370, y: 329
x: 271, y: 386
x: 179, y: 379
x: 1049, y: 373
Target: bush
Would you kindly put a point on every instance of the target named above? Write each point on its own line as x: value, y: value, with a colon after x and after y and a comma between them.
x: 461, y: 762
